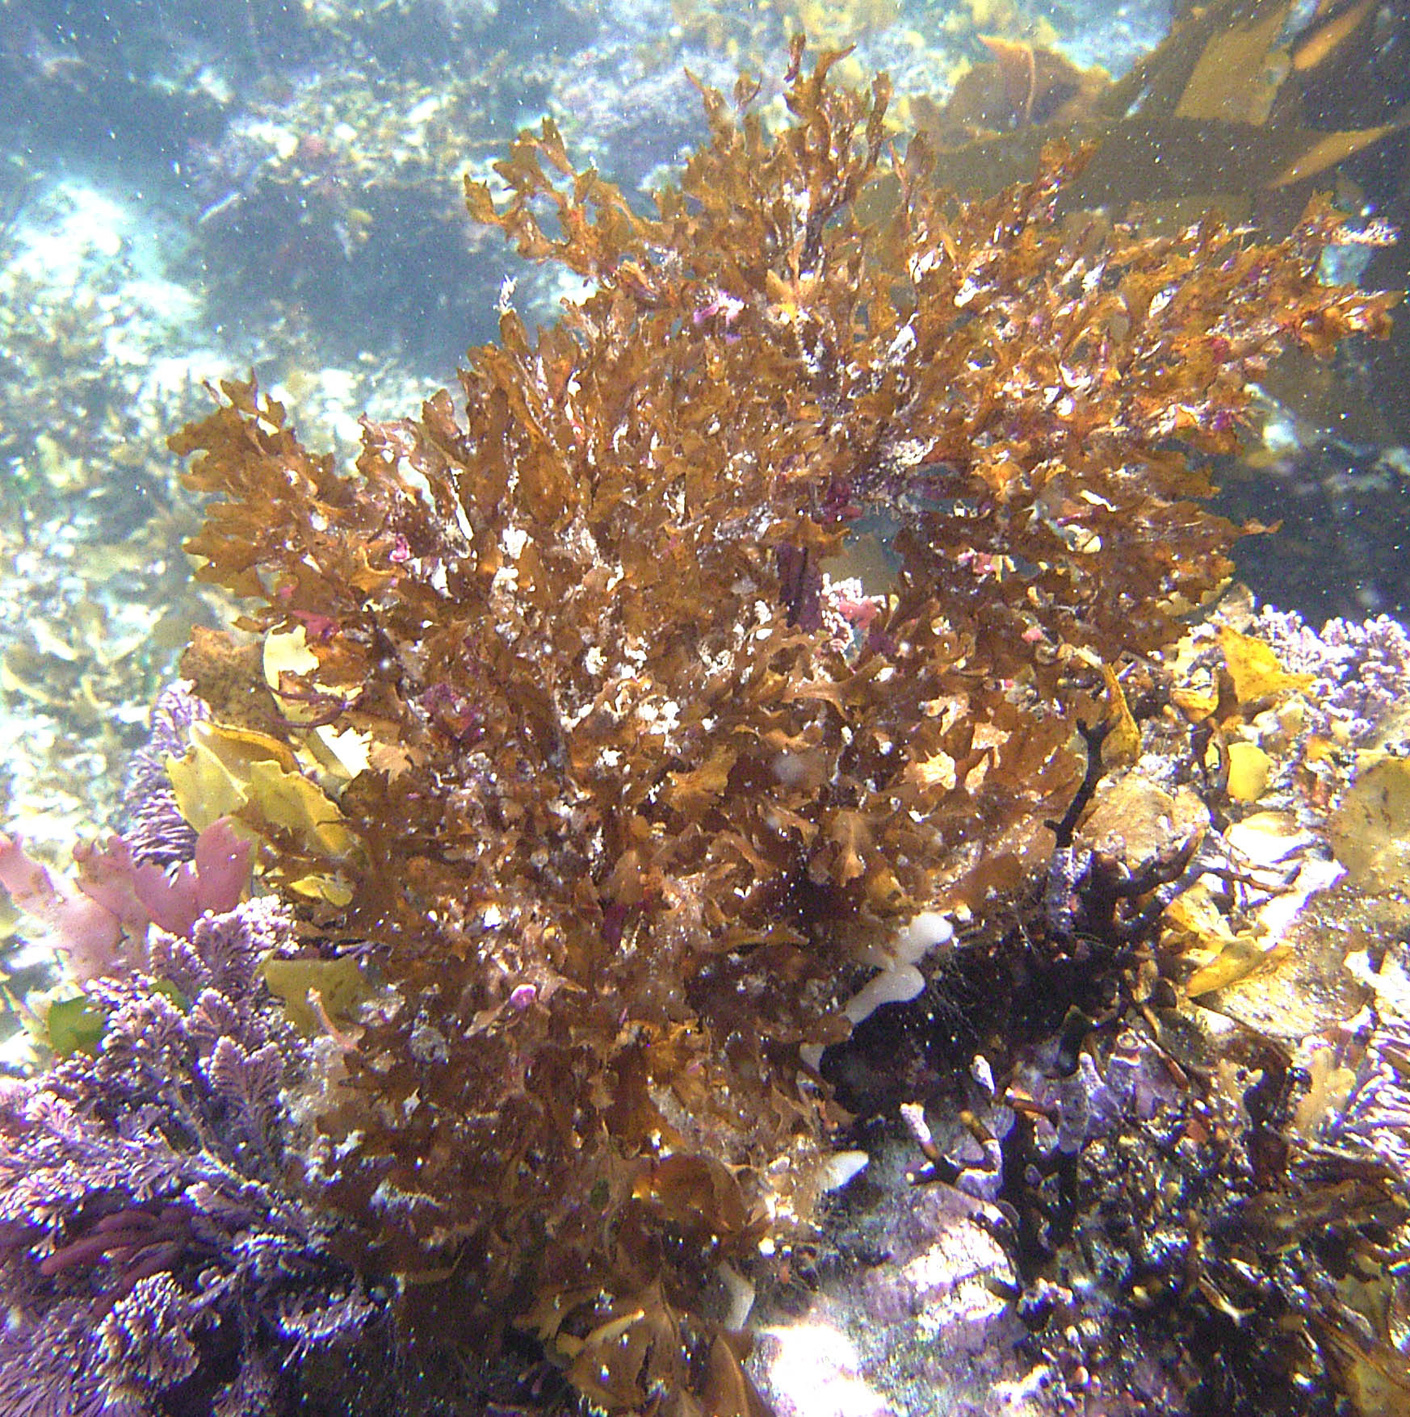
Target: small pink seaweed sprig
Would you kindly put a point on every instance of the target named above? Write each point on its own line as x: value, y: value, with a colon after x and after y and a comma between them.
x: 114, y: 894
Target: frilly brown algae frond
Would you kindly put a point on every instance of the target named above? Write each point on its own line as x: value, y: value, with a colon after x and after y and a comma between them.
x: 634, y: 817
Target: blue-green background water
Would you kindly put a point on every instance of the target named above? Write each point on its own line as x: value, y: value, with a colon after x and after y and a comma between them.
x: 193, y: 190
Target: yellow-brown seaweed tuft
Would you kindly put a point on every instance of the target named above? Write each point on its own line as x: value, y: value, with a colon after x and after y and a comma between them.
x: 635, y: 816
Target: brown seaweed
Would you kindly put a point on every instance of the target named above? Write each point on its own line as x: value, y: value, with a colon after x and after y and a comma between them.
x: 636, y: 815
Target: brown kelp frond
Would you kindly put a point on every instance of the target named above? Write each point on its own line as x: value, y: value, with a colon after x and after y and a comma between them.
x: 1230, y: 105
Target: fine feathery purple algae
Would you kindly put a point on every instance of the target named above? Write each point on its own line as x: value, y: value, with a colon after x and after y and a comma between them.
x: 151, y: 822
x: 153, y: 1255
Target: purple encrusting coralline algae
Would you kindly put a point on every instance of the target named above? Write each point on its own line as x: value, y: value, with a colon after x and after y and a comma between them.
x: 912, y: 1319
x: 153, y: 1256
x: 1092, y: 1100
x: 1362, y: 670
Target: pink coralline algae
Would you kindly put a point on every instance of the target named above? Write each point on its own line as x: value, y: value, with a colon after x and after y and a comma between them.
x: 1376, y: 1117
x: 917, y: 1324
x: 117, y: 893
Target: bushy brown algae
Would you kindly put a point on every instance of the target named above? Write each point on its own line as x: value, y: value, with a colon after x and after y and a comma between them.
x: 619, y: 820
